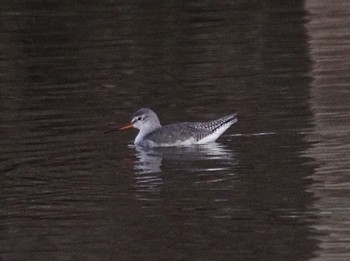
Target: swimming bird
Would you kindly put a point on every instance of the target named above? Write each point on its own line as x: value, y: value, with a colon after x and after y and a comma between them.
x: 153, y: 134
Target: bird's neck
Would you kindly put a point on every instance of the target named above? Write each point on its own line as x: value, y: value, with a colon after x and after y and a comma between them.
x: 145, y: 131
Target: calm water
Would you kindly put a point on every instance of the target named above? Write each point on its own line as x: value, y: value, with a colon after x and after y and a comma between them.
x: 276, y: 186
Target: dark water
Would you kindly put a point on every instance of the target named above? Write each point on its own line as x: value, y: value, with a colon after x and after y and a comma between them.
x: 274, y: 187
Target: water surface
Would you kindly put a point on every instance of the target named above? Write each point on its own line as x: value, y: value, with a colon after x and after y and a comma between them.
x: 273, y: 187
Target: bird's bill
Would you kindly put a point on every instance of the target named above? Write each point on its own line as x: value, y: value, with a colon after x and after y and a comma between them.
x: 126, y: 127
x: 120, y: 128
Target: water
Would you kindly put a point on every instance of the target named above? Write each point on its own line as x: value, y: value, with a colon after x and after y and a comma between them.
x: 274, y: 187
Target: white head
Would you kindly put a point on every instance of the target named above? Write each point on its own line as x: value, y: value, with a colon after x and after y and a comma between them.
x: 145, y: 120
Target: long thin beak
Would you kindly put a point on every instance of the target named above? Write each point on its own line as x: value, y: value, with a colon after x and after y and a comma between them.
x: 120, y: 128
x: 126, y: 127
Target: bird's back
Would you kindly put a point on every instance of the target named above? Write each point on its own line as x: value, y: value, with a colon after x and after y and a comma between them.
x: 187, y: 133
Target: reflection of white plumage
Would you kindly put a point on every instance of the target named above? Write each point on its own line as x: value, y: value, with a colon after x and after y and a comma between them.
x: 152, y: 134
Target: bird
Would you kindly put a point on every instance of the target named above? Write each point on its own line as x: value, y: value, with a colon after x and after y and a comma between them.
x: 153, y: 134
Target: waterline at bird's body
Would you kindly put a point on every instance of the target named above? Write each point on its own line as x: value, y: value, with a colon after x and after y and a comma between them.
x: 152, y: 134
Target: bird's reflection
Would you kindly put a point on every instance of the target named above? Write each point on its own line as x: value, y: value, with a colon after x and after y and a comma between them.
x: 149, y: 160
x: 152, y: 163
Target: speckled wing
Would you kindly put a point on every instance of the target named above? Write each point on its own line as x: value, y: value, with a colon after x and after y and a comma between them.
x: 195, y: 131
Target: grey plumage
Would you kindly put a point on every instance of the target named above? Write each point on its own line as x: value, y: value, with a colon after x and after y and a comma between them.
x: 186, y: 130
x: 153, y: 134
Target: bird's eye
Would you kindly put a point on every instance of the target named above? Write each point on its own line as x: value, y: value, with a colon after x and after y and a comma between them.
x: 139, y: 118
